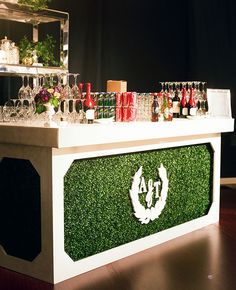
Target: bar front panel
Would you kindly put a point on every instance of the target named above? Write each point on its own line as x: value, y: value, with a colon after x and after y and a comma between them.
x: 113, y: 200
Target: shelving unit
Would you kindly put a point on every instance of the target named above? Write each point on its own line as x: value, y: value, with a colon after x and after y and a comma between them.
x: 25, y: 14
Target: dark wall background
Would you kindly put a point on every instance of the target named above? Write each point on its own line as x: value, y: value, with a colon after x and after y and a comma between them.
x: 145, y: 42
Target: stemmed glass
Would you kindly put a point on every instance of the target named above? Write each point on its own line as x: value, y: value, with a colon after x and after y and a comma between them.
x: 59, y: 79
x: 21, y: 92
x: 162, y: 86
x: 36, y: 86
x: 28, y: 90
x: 171, y: 90
x: 8, y: 111
x: 82, y: 112
x: 76, y: 95
x: 75, y: 88
x: 67, y: 92
x: 197, y: 96
x: 204, y: 103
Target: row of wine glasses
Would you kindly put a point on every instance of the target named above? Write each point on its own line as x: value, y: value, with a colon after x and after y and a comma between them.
x: 30, y: 86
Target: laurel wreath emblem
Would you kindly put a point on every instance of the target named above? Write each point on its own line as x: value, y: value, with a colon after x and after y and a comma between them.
x: 145, y: 215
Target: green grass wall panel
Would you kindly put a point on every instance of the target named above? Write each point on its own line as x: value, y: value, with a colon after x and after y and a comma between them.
x: 98, y: 209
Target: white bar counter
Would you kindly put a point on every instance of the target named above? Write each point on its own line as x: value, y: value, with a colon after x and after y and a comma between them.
x: 84, y: 134
x: 51, y: 151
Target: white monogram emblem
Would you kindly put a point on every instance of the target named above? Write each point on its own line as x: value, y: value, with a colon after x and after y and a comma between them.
x: 145, y: 215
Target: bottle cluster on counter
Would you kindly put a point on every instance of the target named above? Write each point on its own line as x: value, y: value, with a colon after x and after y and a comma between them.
x: 179, y: 100
x: 174, y: 100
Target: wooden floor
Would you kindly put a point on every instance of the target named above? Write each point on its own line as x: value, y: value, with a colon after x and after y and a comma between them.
x: 202, y: 260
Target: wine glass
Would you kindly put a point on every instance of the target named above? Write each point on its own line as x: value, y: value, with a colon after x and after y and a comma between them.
x: 28, y: 90
x: 75, y: 88
x: 197, y: 96
x: 36, y: 86
x: 9, y: 111
x: 82, y: 112
x: 1, y: 113
x: 162, y: 86
x: 67, y: 89
x: 171, y: 90
x: 204, y: 103
x: 59, y: 84
x: 21, y: 92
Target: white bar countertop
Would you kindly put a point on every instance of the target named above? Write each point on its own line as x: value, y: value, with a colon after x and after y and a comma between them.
x: 74, y: 135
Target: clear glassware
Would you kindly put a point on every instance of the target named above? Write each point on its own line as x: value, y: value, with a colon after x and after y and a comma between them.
x: 1, y: 113
x: 36, y: 85
x: 162, y: 86
x: 9, y: 112
x: 67, y: 93
x: 171, y: 90
x: 197, y: 96
x: 59, y: 80
x: 58, y: 112
x: 82, y: 112
x: 74, y: 116
x: 204, y: 104
x: 75, y: 88
x: 28, y: 89
x: 22, y: 92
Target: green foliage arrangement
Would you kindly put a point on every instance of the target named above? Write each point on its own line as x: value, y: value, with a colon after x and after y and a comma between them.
x: 98, y: 210
x: 36, y: 4
x: 43, y: 49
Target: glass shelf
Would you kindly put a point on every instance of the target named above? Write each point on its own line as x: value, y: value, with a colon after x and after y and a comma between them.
x: 24, y: 13
x: 14, y: 70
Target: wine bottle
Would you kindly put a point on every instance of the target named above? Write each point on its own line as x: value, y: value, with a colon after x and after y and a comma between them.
x: 192, y: 107
x: 176, y: 104
x: 155, y: 108
x: 183, y: 104
x: 89, y: 105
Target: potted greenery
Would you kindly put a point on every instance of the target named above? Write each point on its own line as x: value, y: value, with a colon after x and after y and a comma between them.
x: 41, y: 51
x: 36, y: 4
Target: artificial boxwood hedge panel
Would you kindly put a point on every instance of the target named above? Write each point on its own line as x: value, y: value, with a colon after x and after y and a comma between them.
x: 98, y: 209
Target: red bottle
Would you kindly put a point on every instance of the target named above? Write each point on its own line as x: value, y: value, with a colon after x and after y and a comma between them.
x: 192, y: 106
x: 183, y: 104
x: 89, y: 104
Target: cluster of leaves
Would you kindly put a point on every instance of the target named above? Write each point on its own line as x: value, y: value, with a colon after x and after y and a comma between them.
x: 43, y: 49
x: 36, y: 4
